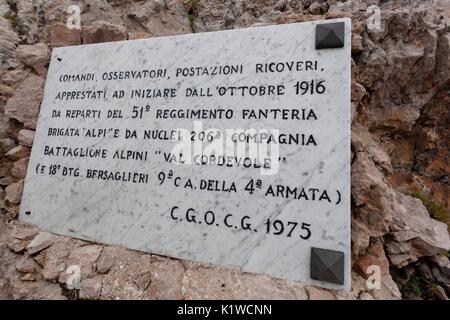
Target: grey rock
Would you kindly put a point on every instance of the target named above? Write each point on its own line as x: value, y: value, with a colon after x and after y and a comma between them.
x: 102, y: 31
x: 24, y: 232
x: 17, y: 153
x: 428, y: 236
x: 26, y: 264
x: 128, y: 277
x: 105, y: 261
x: 85, y: 258
x: 19, y: 169
x: 8, y: 41
x: 17, y: 245
x: 15, y: 76
x: 7, y: 144
x: 166, y: 280
x: 365, y: 296
x: 315, y: 293
x: 56, y: 256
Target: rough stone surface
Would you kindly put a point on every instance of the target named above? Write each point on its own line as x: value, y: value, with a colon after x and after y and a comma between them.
x: 129, y: 277
x: 166, y: 280
x: 319, y: 294
x: 24, y: 105
x: 152, y: 233
x: 54, y: 262
x: 102, y: 31
x: 400, y: 98
x: 204, y: 282
x: 61, y: 36
x: 207, y: 282
x: 17, y: 153
x: 106, y: 261
x: 5, y: 167
x: 428, y: 237
x: 8, y: 41
x: 26, y: 265
x: 14, y: 192
x: 19, y: 169
x: 91, y: 288
x: 36, y: 56
x: 26, y: 137
x: 365, y: 296
x: 40, y: 242
x: 85, y: 258
x: 17, y: 245
x: 24, y: 232
x: 16, y: 76
x: 261, y: 287
x: 5, y: 92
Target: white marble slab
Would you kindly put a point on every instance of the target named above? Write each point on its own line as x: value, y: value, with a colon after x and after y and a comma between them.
x: 138, y: 214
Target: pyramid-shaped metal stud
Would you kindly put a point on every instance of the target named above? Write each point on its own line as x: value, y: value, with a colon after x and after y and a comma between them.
x: 330, y: 35
x: 327, y: 265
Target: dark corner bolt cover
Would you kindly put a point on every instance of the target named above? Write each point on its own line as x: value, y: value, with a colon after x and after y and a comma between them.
x: 327, y: 265
x: 330, y: 35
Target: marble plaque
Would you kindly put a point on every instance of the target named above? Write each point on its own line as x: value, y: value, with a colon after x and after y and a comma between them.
x: 230, y: 148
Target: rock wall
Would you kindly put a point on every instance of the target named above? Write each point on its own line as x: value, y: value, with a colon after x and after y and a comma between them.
x: 400, y: 149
